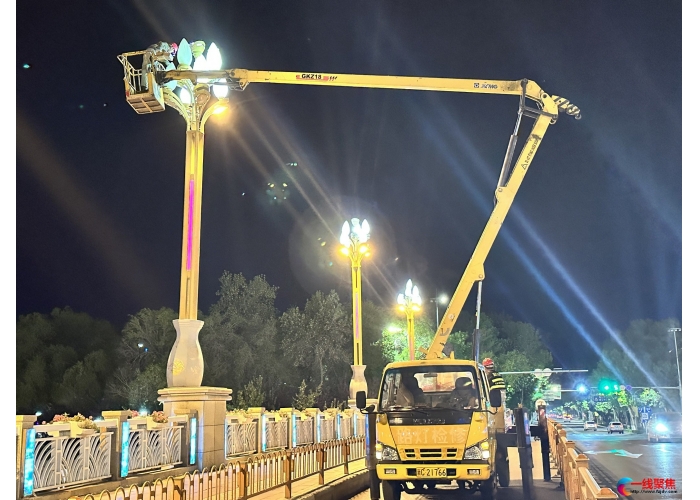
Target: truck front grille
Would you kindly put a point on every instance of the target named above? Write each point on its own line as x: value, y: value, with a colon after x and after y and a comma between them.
x: 430, y: 453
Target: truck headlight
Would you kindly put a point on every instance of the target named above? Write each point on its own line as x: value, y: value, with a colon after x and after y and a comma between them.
x: 385, y: 452
x: 479, y: 451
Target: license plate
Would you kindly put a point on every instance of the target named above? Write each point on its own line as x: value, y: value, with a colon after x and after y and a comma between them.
x: 431, y: 472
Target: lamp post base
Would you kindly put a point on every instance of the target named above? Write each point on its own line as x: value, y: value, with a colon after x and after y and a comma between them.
x: 185, y: 364
x: 208, y: 405
x: 357, y: 383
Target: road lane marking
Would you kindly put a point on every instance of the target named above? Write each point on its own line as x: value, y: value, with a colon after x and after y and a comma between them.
x: 620, y: 453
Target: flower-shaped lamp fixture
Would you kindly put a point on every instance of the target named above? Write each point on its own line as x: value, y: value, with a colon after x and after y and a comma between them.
x: 410, y: 299
x: 354, y: 237
x: 186, y: 52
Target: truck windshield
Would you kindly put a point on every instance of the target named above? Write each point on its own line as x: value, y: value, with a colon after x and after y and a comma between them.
x: 449, y: 387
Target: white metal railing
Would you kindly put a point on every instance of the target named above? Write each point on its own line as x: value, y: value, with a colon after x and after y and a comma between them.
x: 241, y: 437
x: 154, y: 448
x: 305, y: 431
x: 60, y: 456
x: 345, y: 427
x: 359, y: 424
x: 276, y: 436
x: 327, y: 425
x: 64, y: 461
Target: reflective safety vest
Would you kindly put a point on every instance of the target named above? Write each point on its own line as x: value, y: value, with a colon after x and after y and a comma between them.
x: 496, y: 381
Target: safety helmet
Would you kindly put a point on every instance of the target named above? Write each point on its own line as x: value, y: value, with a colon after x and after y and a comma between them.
x: 463, y: 382
x: 488, y: 363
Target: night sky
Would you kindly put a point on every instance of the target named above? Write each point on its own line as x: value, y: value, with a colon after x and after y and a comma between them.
x: 594, y: 237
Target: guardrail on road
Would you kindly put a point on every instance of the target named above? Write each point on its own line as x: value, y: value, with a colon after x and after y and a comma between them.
x: 249, y: 476
x: 579, y: 484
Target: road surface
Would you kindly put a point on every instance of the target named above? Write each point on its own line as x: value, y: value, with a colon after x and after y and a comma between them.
x: 612, y: 457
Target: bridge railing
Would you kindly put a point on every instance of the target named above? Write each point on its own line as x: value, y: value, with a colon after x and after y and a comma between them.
x: 258, y: 430
x: 64, y: 455
x: 579, y: 484
x: 154, y: 445
x: 61, y: 455
x: 62, y: 460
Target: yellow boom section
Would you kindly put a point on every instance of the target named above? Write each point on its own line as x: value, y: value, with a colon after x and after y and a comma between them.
x: 545, y: 114
x: 475, y: 268
x: 240, y: 78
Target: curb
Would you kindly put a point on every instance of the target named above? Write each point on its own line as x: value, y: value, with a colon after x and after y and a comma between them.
x: 342, y: 488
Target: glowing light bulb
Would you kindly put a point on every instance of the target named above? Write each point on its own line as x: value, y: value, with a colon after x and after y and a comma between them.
x: 200, y: 64
x: 220, y: 91
x: 345, y: 235
x: 184, y: 53
x: 214, y: 61
x: 219, y: 108
x: 185, y: 96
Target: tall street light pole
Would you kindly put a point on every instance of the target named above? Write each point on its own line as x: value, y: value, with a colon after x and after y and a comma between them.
x: 353, y: 238
x: 185, y: 365
x: 410, y: 303
x: 442, y: 299
x: 678, y: 366
x: 192, y: 99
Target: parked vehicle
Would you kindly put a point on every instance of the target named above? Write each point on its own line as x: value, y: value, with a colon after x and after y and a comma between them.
x: 665, y: 427
x: 590, y: 424
x: 616, y: 427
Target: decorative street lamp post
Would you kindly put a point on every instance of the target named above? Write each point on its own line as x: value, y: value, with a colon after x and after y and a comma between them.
x: 410, y: 302
x: 354, y: 237
x: 185, y: 364
x: 185, y: 394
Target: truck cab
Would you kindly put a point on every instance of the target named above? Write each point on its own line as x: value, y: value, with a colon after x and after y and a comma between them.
x: 436, y: 424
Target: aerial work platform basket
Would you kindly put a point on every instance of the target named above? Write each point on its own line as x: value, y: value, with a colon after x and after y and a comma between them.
x: 142, y: 93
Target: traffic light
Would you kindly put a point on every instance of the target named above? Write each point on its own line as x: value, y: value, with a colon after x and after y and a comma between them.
x: 608, y: 386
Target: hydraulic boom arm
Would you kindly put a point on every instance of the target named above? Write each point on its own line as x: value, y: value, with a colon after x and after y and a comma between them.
x: 544, y: 114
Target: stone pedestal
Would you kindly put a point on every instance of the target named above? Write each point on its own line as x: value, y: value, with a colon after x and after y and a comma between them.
x: 210, y: 405
x: 357, y: 383
x: 185, y: 363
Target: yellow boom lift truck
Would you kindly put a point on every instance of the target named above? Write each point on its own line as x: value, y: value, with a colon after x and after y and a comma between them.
x: 438, y: 421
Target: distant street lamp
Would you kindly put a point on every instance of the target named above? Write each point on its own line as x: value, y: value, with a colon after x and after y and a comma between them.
x: 185, y: 365
x: 410, y: 303
x: 678, y: 366
x: 353, y: 238
x: 442, y: 299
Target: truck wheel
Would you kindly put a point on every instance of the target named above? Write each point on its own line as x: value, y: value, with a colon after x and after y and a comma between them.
x: 391, y: 490
x: 503, y: 472
x: 489, y: 489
